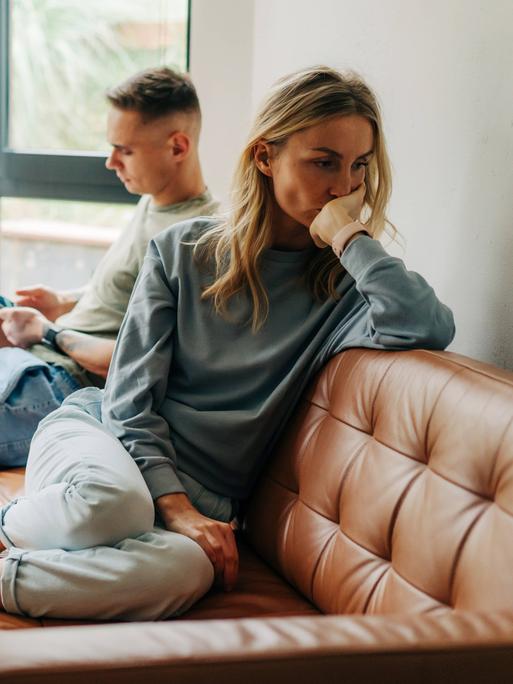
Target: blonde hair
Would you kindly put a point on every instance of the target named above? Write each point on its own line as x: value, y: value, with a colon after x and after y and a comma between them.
x: 296, y: 102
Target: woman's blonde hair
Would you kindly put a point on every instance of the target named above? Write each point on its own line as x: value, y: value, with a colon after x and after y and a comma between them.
x: 296, y: 102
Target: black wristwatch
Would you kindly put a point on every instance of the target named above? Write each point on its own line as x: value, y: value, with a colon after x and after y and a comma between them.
x: 49, y: 338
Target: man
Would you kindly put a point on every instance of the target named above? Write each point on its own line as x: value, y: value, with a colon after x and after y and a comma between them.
x: 153, y: 126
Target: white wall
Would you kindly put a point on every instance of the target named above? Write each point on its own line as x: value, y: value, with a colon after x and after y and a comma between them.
x: 221, y: 67
x: 443, y: 71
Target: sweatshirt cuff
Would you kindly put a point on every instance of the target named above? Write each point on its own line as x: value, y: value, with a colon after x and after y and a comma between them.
x: 162, y: 479
x: 361, y: 254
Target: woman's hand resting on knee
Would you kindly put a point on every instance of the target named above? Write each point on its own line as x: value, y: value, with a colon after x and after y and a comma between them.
x: 215, y: 538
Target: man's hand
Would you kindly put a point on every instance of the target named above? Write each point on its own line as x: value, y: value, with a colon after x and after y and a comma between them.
x: 22, y: 326
x: 335, y: 215
x: 4, y: 342
x: 48, y: 301
x: 215, y: 538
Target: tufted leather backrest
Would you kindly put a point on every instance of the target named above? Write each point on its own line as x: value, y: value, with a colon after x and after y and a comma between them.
x: 392, y: 489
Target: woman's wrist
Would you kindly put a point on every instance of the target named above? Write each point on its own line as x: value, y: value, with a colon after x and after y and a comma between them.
x: 171, y: 506
x: 345, y: 235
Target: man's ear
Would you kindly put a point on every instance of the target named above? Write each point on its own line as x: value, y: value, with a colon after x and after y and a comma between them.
x: 262, y: 155
x: 179, y: 144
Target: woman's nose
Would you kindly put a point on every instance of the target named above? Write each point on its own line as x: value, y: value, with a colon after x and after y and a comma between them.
x: 342, y: 186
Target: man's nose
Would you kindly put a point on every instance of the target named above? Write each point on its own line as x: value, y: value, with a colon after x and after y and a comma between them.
x: 112, y: 162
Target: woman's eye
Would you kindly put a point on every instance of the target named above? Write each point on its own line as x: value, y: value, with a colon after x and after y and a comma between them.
x: 360, y: 165
x: 324, y: 163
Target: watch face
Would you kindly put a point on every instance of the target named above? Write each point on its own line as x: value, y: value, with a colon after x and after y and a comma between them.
x: 50, y: 338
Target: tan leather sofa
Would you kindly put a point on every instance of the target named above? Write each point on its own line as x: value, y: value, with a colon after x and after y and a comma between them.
x: 379, y: 547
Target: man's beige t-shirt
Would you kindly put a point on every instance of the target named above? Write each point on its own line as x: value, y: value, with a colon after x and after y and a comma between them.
x: 102, y: 307
x: 103, y: 304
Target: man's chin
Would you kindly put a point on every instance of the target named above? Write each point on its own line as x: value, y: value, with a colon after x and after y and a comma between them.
x: 131, y: 188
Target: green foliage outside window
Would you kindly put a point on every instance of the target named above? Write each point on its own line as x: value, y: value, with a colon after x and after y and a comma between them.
x: 65, y: 53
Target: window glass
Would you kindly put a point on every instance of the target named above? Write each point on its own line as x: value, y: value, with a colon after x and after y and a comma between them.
x: 66, y: 53
x: 57, y: 243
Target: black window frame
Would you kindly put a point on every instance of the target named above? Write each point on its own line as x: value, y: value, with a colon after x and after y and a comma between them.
x: 74, y: 175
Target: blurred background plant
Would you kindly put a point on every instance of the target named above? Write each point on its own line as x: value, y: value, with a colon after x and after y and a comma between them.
x: 65, y: 53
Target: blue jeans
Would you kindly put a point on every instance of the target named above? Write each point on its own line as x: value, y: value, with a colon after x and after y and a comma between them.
x: 30, y: 389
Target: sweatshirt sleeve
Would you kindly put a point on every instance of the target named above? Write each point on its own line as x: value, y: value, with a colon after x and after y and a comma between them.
x: 138, y: 376
x: 399, y: 310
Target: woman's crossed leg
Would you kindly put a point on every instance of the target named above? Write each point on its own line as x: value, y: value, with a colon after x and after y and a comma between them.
x: 82, y: 542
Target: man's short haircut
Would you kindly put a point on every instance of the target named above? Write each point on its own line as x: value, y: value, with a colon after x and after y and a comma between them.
x: 155, y: 92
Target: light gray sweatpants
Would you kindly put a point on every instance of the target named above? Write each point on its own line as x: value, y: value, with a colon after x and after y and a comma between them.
x: 83, y: 542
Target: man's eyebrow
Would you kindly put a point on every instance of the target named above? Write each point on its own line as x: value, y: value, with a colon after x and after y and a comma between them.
x: 334, y: 153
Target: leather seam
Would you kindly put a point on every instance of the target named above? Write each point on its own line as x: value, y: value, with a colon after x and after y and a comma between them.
x: 397, y: 508
x: 501, y: 509
x: 318, y: 562
x: 391, y: 566
x: 336, y: 522
x: 467, y: 367
x: 499, y: 446
x: 387, y: 446
x: 435, y: 404
x: 374, y: 588
x: 459, y: 551
x: 390, y: 365
x: 361, y: 546
x: 460, y: 486
x: 421, y: 591
x: 314, y: 435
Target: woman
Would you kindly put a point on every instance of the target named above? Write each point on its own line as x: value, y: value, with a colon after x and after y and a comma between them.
x: 226, y: 325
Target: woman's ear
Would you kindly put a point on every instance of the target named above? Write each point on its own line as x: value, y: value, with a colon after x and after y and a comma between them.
x: 262, y: 155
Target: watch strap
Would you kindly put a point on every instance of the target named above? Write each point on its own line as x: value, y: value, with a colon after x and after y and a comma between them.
x: 341, y: 238
x: 49, y: 338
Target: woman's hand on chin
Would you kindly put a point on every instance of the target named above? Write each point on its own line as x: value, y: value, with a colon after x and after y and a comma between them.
x: 335, y: 215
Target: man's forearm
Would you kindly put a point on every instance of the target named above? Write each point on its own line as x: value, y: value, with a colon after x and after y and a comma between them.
x: 92, y: 353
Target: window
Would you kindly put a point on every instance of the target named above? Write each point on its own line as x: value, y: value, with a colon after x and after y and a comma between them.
x: 55, y: 242
x: 57, y: 58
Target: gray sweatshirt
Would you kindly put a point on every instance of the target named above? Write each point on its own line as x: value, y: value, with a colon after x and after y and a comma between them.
x: 190, y: 389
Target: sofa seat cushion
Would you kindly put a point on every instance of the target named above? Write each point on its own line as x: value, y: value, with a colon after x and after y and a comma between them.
x: 260, y: 592
x: 17, y: 621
